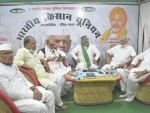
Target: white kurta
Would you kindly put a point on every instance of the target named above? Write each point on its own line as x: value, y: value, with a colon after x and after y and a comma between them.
x: 58, y: 68
x: 132, y: 81
x: 92, y: 52
x: 17, y: 87
x: 47, y: 80
x: 120, y: 55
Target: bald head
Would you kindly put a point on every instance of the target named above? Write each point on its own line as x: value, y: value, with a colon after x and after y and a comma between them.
x: 123, y: 40
x: 30, y: 43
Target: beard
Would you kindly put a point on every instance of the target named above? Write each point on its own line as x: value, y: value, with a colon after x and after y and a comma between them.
x: 8, y: 64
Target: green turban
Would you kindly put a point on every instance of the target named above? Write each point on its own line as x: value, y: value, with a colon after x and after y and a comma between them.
x: 83, y: 37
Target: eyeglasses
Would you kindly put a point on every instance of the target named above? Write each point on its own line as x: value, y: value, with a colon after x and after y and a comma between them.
x: 8, y: 53
x: 51, y: 45
x: 63, y: 41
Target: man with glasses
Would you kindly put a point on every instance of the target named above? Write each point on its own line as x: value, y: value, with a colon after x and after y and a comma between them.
x: 63, y: 42
x: 55, y: 59
x: 28, y: 58
x: 28, y: 98
x: 122, y: 55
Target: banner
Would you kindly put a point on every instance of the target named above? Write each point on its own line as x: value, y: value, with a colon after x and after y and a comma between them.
x: 102, y: 24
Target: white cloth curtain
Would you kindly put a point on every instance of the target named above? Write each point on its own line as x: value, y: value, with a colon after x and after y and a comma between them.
x: 144, y: 27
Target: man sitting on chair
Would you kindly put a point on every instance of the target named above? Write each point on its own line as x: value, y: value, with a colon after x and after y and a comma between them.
x: 136, y: 75
x: 28, y: 58
x: 121, y: 56
x: 86, y: 55
x: 55, y: 59
x: 28, y: 98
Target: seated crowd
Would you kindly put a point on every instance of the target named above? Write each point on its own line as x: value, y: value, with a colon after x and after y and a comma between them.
x: 48, y: 67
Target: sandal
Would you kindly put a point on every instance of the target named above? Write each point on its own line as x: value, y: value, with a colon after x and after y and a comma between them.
x: 64, y: 107
x: 57, y: 108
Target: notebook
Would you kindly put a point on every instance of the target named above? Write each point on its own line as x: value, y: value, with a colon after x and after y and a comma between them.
x: 90, y: 75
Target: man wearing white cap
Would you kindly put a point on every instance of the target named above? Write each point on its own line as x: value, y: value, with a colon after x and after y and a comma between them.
x: 28, y: 58
x: 28, y: 98
x: 86, y: 55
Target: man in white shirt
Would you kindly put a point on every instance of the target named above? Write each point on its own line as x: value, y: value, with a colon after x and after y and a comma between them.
x: 122, y: 55
x: 136, y: 75
x: 55, y: 59
x: 28, y: 98
x: 28, y: 58
x: 63, y: 42
x: 86, y: 55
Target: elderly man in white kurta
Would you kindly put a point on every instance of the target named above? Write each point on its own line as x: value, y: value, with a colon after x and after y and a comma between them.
x: 55, y: 59
x: 28, y: 98
x: 136, y: 75
x: 86, y: 55
x: 28, y: 58
x: 121, y: 56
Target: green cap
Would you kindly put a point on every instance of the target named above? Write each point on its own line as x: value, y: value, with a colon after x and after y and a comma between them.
x: 83, y: 37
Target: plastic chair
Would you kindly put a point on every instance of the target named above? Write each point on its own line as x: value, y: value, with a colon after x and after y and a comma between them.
x: 6, y: 104
x: 30, y: 76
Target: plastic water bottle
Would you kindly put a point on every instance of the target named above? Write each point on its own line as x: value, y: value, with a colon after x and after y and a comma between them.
x: 111, y: 70
x: 107, y: 74
x: 106, y: 71
x: 115, y: 73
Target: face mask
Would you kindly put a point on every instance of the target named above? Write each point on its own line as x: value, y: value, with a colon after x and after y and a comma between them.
x: 31, y: 51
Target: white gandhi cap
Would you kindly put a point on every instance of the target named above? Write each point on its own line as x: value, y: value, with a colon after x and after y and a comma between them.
x: 5, y: 47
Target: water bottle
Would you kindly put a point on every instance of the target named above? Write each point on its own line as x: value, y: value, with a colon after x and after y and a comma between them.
x: 106, y: 71
x: 115, y: 73
x: 111, y: 70
x: 107, y: 74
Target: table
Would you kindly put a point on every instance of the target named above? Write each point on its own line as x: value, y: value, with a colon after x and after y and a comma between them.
x: 93, y: 91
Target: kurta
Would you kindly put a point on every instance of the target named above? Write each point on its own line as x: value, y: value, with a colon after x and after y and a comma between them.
x: 17, y: 87
x: 92, y: 52
x: 47, y: 80
x: 120, y: 55
x: 58, y: 68
x: 24, y: 56
x: 132, y: 81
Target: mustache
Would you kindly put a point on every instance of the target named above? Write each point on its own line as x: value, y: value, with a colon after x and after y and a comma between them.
x: 115, y: 25
x: 63, y: 49
x: 8, y: 64
x: 11, y: 58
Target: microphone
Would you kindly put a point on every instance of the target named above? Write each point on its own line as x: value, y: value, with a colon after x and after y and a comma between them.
x: 53, y: 52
